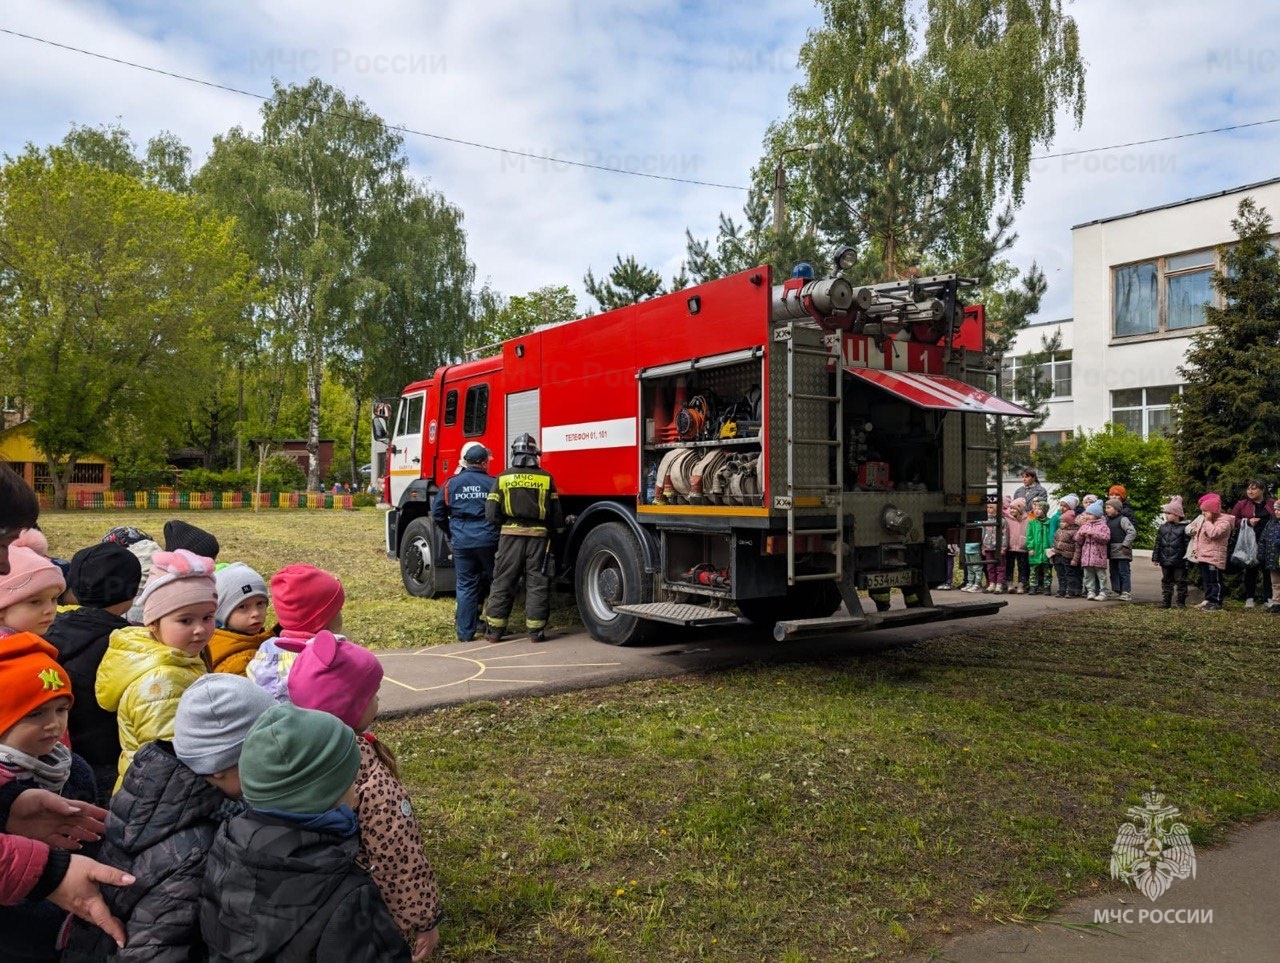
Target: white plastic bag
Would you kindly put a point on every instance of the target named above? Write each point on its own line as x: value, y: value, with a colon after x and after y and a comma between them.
x: 1246, y: 552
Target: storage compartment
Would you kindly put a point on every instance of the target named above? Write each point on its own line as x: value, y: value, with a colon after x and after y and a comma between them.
x: 703, y: 432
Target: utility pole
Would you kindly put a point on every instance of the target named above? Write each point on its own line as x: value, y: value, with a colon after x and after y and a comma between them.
x: 780, y: 184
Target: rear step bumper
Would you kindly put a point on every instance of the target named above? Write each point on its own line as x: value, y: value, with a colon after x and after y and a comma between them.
x: 885, y: 620
x: 675, y: 613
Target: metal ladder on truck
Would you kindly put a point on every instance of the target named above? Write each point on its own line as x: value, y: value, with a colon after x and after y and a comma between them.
x: 996, y: 449
x: 811, y: 407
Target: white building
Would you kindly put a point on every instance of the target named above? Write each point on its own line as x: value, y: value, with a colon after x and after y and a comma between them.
x: 1141, y: 283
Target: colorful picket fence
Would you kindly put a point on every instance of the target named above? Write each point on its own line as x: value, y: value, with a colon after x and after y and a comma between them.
x: 209, y: 501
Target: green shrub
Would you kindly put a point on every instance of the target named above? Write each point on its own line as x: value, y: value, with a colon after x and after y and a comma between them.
x: 280, y: 473
x: 1094, y: 462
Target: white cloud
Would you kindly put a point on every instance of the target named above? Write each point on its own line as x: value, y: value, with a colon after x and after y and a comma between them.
x: 666, y: 87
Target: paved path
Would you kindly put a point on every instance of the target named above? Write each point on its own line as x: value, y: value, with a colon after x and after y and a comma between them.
x: 1238, y: 882
x: 451, y: 674
x: 1228, y: 913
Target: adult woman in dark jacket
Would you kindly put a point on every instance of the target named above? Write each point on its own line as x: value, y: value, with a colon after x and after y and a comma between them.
x: 1254, y: 510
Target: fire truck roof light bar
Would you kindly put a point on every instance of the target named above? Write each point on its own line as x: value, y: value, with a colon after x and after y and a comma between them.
x: 701, y: 364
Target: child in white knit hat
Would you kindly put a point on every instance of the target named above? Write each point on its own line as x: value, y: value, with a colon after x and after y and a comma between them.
x: 147, y: 667
x: 240, y: 619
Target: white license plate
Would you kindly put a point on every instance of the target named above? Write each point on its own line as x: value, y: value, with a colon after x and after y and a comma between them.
x: 875, y: 580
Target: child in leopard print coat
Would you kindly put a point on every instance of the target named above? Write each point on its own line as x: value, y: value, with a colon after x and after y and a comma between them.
x: 342, y: 678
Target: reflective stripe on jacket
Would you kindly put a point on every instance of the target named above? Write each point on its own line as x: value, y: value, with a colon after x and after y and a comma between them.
x: 524, y: 502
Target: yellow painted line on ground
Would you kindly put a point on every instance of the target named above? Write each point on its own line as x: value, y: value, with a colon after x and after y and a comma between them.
x: 482, y: 666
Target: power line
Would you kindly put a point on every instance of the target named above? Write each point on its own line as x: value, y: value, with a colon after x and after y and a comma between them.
x: 1158, y: 140
x: 396, y: 127
x: 572, y: 163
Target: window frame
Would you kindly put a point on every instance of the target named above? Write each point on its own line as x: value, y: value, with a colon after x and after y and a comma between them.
x: 1163, y: 275
x: 479, y: 411
x: 1145, y: 408
x: 1056, y: 361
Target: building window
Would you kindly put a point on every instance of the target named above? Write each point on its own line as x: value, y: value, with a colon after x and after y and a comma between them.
x: 1056, y: 371
x: 1145, y: 411
x: 1049, y: 439
x: 1165, y: 294
x: 87, y: 473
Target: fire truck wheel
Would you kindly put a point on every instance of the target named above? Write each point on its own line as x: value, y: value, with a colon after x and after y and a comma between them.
x: 417, y: 555
x: 808, y: 600
x: 608, y: 572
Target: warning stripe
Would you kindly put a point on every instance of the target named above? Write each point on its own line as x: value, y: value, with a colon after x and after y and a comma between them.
x: 940, y: 393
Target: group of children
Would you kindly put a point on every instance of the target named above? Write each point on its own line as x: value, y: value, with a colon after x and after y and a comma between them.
x: 1087, y: 545
x: 259, y: 816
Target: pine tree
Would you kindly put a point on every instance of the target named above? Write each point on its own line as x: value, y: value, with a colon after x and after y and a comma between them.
x: 630, y: 282
x: 1228, y: 417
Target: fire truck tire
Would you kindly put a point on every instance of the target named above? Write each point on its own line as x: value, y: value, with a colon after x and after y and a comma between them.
x: 808, y: 600
x: 417, y: 560
x: 608, y: 572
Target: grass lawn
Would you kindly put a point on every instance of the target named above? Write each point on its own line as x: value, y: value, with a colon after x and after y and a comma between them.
x: 862, y: 807
x: 833, y: 811
x: 378, y: 612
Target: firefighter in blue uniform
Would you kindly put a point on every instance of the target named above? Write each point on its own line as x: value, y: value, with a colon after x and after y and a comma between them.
x: 459, y: 511
x: 525, y: 505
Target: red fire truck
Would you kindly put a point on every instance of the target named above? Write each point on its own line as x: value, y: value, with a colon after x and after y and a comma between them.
x: 733, y: 449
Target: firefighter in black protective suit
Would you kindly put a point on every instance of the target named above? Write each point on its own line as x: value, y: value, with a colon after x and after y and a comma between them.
x: 524, y: 504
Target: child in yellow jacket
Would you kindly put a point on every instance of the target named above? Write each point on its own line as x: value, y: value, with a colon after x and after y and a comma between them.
x: 240, y: 619
x: 147, y: 667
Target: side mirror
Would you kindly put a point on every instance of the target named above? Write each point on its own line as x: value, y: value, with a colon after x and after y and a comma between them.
x: 379, y: 428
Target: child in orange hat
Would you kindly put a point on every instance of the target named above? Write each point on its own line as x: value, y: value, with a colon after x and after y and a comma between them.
x: 33, y: 720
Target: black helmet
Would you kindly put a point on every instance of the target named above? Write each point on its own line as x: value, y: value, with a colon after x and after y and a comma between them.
x: 525, y: 445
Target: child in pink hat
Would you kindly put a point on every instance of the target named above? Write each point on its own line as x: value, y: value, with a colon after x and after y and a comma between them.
x: 1209, y: 543
x: 307, y: 600
x: 147, y: 667
x: 339, y: 677
x: 29, y: 593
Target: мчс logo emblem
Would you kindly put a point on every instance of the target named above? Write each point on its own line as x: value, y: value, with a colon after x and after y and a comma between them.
x: 1152, y: 855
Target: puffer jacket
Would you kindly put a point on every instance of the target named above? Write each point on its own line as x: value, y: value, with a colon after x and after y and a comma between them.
x: 1211, y: 538
x: 160, y: 828
x: 1017, y: 526
x: 270, y: 665
x: 80, y: 635
x: 1269, y: 544
x: 31, y: 930
x: 274, y: 890
x: 141, y: 681
x: 1093, y: 536
x: 1171, y: 544
x: 231, y: 651
x: 1123, y: 533
x: 22, y: 864
x: 1064, y: 544
x: 1038, y: 540
x: 989, y: 535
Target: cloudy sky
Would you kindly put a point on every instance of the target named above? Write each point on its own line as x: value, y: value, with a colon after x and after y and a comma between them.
x: 678, y: 88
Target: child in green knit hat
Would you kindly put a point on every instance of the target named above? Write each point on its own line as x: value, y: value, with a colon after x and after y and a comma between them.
x: 281, y: 879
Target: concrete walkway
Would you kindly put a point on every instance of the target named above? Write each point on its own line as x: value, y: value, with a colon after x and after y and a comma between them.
x: 1229, y: 910
x: 1227, y: 913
